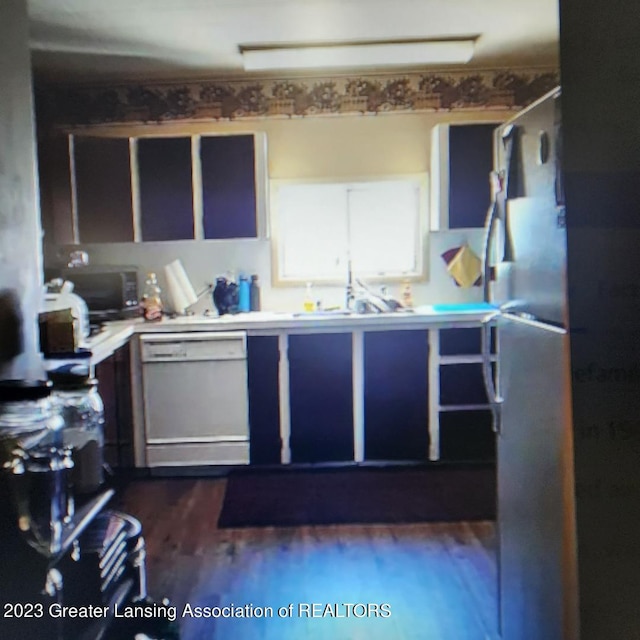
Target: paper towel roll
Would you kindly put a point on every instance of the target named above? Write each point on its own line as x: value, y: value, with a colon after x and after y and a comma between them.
x: 180, y: 288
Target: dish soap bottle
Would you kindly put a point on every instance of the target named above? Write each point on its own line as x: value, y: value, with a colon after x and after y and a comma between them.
x: 152, y: 299
x: 309, y: 304
x: 407, y: 296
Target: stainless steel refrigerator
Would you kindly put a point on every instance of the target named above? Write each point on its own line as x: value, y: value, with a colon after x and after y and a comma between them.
x: 530, y: 386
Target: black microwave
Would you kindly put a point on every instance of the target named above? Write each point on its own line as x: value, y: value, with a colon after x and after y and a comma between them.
x: 111, y: 292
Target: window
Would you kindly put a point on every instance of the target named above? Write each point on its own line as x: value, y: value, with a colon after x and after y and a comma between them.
x: 376, y: 224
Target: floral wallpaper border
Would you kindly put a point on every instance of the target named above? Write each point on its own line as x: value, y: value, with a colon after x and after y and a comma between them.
x: 295, y: 97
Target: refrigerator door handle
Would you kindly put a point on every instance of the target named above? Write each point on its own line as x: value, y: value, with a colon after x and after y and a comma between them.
x: 490, y: 226
x: 495, y: 400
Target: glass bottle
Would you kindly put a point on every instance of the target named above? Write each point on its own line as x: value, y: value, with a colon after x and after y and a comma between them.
x: 309, y: 303
x: 254, y: 293
x: 152, y: 299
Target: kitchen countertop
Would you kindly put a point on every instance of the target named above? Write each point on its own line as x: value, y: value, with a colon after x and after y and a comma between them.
x: 116, y: 333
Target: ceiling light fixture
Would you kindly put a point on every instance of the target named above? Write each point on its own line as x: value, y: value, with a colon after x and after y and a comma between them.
x: 357, y: 54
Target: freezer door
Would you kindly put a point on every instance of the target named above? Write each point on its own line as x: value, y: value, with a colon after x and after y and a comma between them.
x: 531, y: 279
x: 535, y: 281
x: 537, y: 568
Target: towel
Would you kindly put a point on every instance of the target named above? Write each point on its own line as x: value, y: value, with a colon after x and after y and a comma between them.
x: 465, y: 267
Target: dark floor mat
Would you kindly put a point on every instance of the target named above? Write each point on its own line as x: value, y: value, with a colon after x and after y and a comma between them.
x: 359, y: 495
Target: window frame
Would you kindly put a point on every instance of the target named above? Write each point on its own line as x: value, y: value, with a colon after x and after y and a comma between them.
x: 421, y: 273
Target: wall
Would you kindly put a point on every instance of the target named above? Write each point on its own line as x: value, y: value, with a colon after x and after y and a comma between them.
x: 323, y: 147
x: 20, y: 231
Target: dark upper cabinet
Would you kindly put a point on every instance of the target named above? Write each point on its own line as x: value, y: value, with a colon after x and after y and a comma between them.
x: 461, y: 163
x: 56, y: 200
x: 228, y: 186
x: 321, y: 397
x: 103, y: 189
x: 470, y: 163
x: 166, y: 189
x: 96, y: 189
x: 396, y: 402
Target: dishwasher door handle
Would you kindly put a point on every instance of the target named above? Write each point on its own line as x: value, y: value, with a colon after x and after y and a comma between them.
x: 170, y: 355
x: 194, y: 349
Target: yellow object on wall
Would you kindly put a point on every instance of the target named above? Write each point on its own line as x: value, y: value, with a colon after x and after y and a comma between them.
x: 465, y: 267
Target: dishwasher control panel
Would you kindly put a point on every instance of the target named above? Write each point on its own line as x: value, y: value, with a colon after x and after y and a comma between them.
x: 172, y: 347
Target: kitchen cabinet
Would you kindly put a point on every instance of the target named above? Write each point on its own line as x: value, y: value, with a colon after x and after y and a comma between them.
x: 166, y: 189
x: 55, y: 190
x: 321, y: 397
x: 229, y: 204
x: 396, y: 399
x: 104, y: 208
x: 465, y: 426
x: 114, y: 385
x: 152, y: 188
x: 461, y: 161
x: 264, y: 406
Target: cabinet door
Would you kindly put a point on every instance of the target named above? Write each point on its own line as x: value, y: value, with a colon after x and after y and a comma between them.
x: 106, y: 376
x: 467, y: 436
x: 264, y: 406
x: 321, y: 397
x: 56, y: 207
x: 166, y: 189
x: 396, y: 395
x: 462, y: 384
x: 466, y: 432
x: 124, y: 406
x: 228, y: 186
x: 470, y: 163
x: 103, y: 189
x: 114, y: 385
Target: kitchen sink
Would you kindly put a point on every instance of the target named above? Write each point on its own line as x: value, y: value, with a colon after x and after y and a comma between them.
x: 321, y: 313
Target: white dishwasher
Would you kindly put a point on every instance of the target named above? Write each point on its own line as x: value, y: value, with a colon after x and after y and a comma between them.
x: 196, y: 409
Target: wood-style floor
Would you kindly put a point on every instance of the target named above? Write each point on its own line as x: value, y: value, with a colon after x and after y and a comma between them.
x: 439, y: 580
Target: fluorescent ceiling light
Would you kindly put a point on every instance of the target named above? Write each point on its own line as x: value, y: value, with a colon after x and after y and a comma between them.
x: 365, y: 54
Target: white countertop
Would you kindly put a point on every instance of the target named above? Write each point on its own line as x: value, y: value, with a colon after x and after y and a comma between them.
x: 115, y: 334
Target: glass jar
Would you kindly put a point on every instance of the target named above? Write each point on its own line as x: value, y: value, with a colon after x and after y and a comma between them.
x: 80, y: 406
x: 27, y: 416
x: 34, y: 465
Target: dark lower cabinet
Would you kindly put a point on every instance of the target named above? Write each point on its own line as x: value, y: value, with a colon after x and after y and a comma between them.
x: 467, y: 436
x: 396, y: 402
x: 321, y: 397
x: 264, y: 405
x: 462, y: 384
x: 465, y: 433
x: 114, y: 384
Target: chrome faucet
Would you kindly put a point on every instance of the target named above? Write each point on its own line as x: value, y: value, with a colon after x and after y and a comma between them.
x: 349, y: 294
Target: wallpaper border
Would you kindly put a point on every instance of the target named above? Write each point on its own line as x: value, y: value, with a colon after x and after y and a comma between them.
x: 293, y: 97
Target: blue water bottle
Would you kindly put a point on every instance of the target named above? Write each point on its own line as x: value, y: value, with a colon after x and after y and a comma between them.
x: 244, y: 297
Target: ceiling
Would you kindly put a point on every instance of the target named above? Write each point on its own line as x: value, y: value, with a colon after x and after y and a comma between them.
x: 120, y: 40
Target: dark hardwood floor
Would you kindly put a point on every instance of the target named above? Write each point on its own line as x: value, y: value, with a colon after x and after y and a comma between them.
x: 439, y: 580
